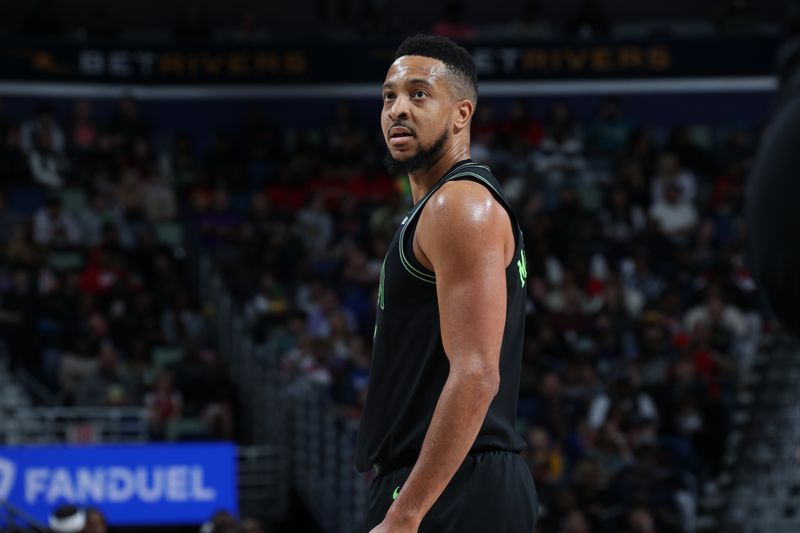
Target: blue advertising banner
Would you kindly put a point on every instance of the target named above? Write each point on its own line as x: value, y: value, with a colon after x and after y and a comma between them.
x: 131, y: 484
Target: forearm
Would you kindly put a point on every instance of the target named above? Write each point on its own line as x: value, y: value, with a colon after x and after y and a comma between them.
x: 458, y: 417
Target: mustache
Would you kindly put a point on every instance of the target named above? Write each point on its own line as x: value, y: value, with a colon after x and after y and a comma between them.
x: 401, y: 124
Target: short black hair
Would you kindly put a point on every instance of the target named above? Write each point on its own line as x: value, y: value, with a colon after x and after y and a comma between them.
x: 456, y: 58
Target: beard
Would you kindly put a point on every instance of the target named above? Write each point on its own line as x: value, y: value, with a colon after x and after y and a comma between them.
x: 424, y: 158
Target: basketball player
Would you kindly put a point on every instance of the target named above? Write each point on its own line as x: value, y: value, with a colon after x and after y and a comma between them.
x: 438, y: 424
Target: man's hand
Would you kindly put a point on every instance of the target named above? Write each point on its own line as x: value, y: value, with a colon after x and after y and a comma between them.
x: 394, y: 524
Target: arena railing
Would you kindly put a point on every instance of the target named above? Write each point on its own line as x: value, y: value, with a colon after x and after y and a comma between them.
x: 296, y: 418
x: 21, y: 425
x: 263, y: 407
x: 15, y: 520
x: 322, y: 444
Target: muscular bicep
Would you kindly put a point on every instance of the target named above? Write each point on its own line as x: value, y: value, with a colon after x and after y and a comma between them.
x: 463, y: 235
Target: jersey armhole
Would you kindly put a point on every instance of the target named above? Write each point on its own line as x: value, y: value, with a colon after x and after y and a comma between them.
x: 409, y: 259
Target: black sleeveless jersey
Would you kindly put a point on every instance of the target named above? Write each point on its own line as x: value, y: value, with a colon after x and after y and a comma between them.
x: 409, y: 366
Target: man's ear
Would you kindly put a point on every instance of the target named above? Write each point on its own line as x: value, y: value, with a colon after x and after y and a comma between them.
x: 463, y: 114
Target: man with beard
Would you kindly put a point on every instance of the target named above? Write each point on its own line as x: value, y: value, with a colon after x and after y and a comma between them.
x: 438, y: 423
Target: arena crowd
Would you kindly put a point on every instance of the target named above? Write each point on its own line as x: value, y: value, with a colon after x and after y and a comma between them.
x: 641, y: 313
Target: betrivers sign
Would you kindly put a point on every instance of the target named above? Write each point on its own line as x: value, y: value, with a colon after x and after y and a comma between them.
x: 133, y: 484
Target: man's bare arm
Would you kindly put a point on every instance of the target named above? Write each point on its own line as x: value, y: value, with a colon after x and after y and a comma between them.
x: 463, y: 233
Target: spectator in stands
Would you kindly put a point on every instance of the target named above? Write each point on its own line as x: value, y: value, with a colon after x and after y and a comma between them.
x: 67, y: 519
x: 640, y: 520
x: 102, y: 222
x: 622, y: 221
x: 675, y: 215
x: 220, y: 402
x: 42, y: 126
x: 316, y: 225
x: 533, y: 23
x: 127, y: 124
x: 111, y: 384
x: 671, y: 172
x: 452, y: 24
x: 84, y: 131
x: 179, y: 166
x: 546, y: 462
x: 559, y: 157
x: 725, y: 321
x: 624, y: 403
x: 252, y: 525
x: 182, y: 322
x: 609, y: 132
x: 642, y: 151
x: 95, y: 521
x: 47, y: 166
x: 53, y: 226
x: 575, y: 522
x: 163, y: 404
x: 220, y: 522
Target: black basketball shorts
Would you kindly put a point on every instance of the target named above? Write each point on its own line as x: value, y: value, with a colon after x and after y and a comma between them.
x: 491, y: 492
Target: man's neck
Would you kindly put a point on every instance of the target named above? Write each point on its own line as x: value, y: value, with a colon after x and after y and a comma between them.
x: 423, y: 179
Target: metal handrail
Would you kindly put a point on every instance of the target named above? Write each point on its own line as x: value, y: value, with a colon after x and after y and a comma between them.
x: 16, y: 514
x: 44, y: 425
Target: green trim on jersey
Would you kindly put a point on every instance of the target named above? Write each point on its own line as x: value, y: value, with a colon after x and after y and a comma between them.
x: 381, y: 293
x: 411, y: 269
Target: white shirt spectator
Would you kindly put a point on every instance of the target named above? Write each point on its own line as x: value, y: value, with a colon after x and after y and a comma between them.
x: 674, y: 216
x: 51, y: 225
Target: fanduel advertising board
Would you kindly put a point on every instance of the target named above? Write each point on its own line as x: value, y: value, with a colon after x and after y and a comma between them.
x: 132, y: 484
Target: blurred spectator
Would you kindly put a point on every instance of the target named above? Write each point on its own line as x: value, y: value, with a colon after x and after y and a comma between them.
x: 47, y: 167
x: 641, y: 521
x: 53, y: 226
x: 95, y: 521
x: 725, y: 321
x: 221, y: 522
x: 608, y: 133
x: 559, y: 157
x: 452, y: 24
x: 316, y: 224
x: 126, y: 124
x: 42, y: 128
x: 532, y: 23
x: 67, y: 519
x: 111, y: 384
x: 675, y: 216
x: 252, y: 525
x: 671, y: 172
x: 179, y: 166
x: 575, y: 522
x: 163, y: 404
x: 84, y: 131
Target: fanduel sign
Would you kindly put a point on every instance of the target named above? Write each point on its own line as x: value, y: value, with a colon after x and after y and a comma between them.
x: 132, y: 484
